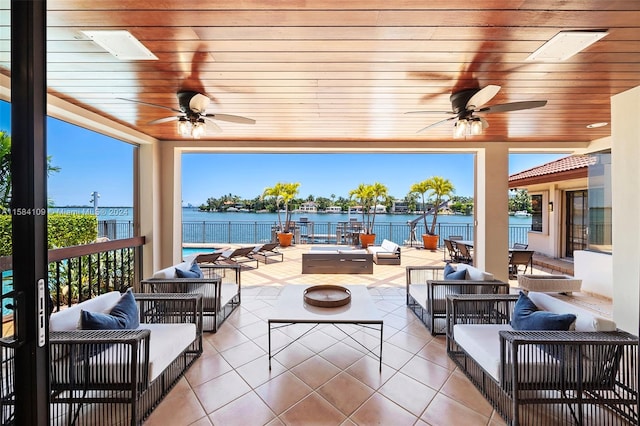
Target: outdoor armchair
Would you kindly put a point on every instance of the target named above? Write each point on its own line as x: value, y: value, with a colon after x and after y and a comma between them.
x: 518, y: 258
x: 586, y: 376
x: 427, y: 289
x: 118, y: 376
x: 220, y: 287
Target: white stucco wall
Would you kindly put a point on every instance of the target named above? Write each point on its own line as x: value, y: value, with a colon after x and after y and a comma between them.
x: 625, y: 176
x: 596, y: 272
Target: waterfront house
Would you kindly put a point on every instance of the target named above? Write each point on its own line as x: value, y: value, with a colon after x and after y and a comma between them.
x: 567, y: 224
x: 319, y: 76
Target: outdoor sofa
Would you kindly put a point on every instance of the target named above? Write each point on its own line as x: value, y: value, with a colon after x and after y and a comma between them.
x: 331, y: 260
x: 533, y: 371
x: 428, y: 287
x: 219, y: 285
x: 387, y: 253
x: 114, y: 357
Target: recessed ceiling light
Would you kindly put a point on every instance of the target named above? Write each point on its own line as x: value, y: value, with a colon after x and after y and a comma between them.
x: 121, y: 44
x: 596, y: 125
x: 565, y: 44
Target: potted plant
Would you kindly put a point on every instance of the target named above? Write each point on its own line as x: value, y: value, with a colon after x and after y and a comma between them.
x: 439, y: 190
x: 368, y: 196
x: 283, y: 193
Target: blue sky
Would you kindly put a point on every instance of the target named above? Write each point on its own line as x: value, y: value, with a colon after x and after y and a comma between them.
x: 93, y: 162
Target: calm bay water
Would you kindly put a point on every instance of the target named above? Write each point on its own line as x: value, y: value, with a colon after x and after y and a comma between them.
x: 190, y: 214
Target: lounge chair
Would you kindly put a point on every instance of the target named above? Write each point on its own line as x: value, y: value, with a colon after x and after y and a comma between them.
x: 208, y: 257
x: 266, y: 251
x: 241, y: 256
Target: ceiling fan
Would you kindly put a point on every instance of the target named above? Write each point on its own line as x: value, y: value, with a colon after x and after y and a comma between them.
x: 465, y: 104
x: 192, y: 114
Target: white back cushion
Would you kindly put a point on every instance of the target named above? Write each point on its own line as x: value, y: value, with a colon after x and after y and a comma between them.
x: 389, y: 246
x: 473, y: 273
x: 585, y: 320
x: 68, y: 319
x: 170, y: 271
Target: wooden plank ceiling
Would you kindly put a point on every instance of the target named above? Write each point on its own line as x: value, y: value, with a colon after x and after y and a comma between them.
x: 344, y: 70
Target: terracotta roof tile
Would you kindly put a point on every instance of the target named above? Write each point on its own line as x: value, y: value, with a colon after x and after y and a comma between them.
x: 558, y: 166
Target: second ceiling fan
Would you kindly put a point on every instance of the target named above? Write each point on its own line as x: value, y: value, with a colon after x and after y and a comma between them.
x: 465, y: 104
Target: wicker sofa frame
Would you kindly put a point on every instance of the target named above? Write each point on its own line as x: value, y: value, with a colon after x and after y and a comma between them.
x: 433, y: 311
x: 102, y: 390
x: 592, y: 378
x: 220, y: 282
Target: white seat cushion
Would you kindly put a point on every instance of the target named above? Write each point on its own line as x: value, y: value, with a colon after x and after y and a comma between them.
x: 419, y: 292
x: 166, y: 342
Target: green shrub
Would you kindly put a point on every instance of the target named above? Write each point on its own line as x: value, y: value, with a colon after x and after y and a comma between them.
x: 64, y: 230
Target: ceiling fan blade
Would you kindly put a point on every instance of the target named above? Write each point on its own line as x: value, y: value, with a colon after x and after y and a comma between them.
x: 164, y: 120
x: 484, y: 122
x: 213, y: 124
x: 482, y: 96
x: 230, y: 118
x: 430, y: 112
x: 150, y: 104
x: 513, y: 106
x: 437, y: 123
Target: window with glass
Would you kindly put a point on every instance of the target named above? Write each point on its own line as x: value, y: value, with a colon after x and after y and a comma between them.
x: 536, y: 212
x: 599, y: 203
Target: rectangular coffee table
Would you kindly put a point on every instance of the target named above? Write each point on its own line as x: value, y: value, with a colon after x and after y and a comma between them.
x: 291, y: 309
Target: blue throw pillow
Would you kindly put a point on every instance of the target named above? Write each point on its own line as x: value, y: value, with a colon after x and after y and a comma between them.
x: 527, y: 316
x: 193, y: 272
x: 457, y: 275
x: 124, y: 315
x: 447, y: 270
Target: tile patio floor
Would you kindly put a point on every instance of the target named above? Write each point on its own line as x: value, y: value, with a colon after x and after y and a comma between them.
x: 325, y: 379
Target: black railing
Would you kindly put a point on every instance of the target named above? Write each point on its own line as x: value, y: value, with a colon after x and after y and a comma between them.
x: 75, y: 274
x: 82, y: 272
x: 253, y: 232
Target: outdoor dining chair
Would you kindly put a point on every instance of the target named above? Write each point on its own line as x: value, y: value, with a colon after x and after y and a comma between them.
x: 464, y: 253
x: 452, y: 249
x: 520, y: 258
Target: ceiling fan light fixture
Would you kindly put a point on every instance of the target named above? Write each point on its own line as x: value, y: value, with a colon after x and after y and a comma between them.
x: 565, y: 44
x: 198, y: 128
x: 460, y: 128
x: 184, y: 127
x: 476, y: 127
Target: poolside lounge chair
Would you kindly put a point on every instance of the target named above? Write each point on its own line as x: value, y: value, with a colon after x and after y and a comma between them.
x: 266, y: 251
x: 208, y: 257
x: 241, y: 256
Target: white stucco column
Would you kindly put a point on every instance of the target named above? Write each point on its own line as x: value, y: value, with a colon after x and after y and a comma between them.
x: 147, y: 215
x: 625, y: 178
x: 491, y: 248
x: 170, y: 205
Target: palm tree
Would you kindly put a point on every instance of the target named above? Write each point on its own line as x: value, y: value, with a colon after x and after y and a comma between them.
x: 421, y: 188
x: 368, y: 195
x: 380, y: 193
x: 440, y: 188
x: 282, y: 193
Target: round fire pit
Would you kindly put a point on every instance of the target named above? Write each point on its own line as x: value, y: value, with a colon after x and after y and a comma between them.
x: 327, y: 296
